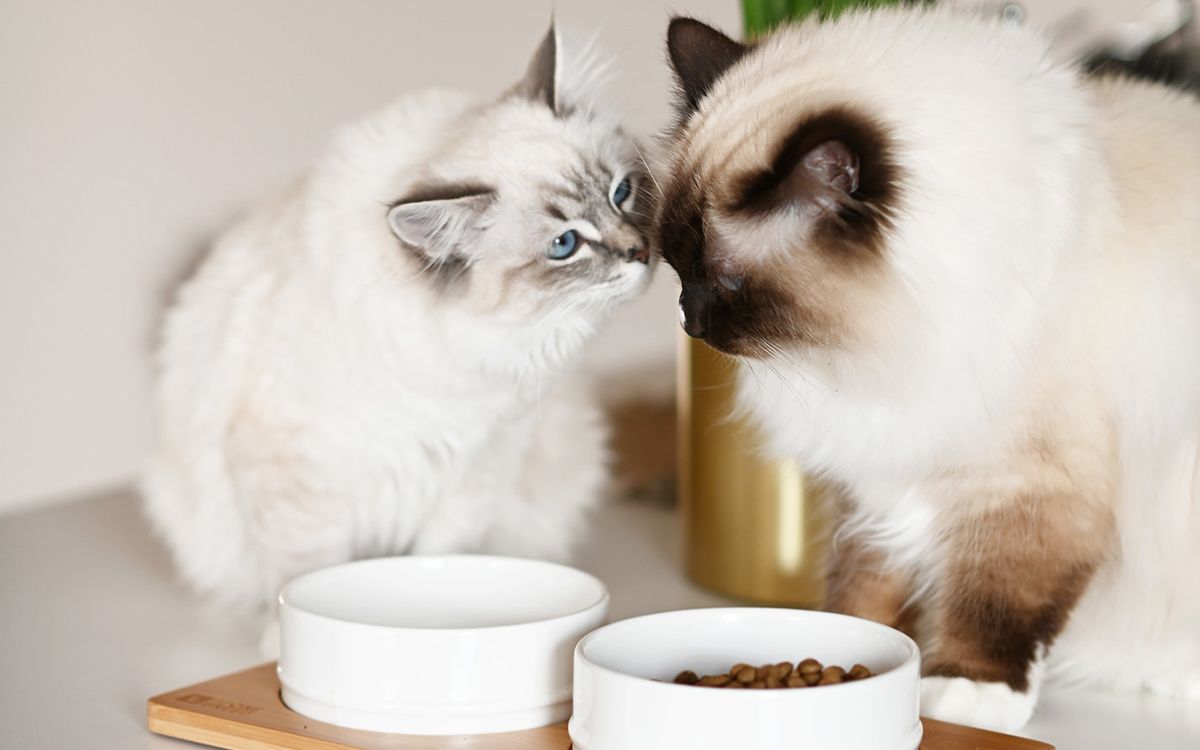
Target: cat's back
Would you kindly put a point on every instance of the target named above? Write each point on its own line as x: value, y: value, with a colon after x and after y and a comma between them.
x: 1149, y: 135
x: 380, y: 154
x: 366, y: 161
x: 256, y: 270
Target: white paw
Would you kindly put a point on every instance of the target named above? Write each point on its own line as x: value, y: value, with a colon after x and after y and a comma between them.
x: 268, y: 643
x: 988, y: 705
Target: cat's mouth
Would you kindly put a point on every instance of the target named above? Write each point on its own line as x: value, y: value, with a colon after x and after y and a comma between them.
x: 622, y: 284
x: 718, y: 334
x: 703, y: 315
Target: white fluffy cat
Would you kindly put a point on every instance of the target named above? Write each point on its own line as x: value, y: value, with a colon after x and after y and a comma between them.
x: 376, y: 362
x: 964, y: 284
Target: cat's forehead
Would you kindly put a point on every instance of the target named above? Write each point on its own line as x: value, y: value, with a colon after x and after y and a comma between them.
x: 555, y: 139
x: 563, y: 166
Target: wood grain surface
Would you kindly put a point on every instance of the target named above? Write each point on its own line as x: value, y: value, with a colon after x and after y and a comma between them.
x: 242, y: 711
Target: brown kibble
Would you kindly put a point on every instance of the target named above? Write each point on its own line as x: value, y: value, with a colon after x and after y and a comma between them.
x: 715, y: 680
x: 809, y: 666
x: 832, y: 676
x: 686, y: 677
x: 807, y: 673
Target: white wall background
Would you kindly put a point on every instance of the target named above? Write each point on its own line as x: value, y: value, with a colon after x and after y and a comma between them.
x: 131, y: 131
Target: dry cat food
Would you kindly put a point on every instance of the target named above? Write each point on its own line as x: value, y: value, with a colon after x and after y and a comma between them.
x: 808, y: 673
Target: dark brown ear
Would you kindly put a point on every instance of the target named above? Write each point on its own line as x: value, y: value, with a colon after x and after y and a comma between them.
x: 837, y: 167
x: 540, y: 83
x: 827, y: 159
x: 700, y: 55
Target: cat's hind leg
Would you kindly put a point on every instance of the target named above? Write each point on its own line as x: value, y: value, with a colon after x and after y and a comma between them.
x: 1138, y: 626
x: 297, y: 517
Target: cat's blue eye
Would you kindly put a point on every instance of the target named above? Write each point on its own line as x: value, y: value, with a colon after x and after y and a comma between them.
x: 564, y: 245
x: 622, y: 192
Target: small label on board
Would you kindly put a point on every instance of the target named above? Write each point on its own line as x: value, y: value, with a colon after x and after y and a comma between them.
x: 227, y: 707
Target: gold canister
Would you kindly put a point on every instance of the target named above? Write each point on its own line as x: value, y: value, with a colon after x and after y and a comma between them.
x: 752, y: 526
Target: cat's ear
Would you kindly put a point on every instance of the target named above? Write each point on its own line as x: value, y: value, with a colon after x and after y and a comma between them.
x: 441, y: 227
x: 540, y: 82
x: 822, y: 176
x: 835, y: 173
x: 827, y: 162
x: 700, y: 55
x: 832, y: 164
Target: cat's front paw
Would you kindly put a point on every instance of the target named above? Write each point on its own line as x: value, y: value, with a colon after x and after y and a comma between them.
x: 988, y: 705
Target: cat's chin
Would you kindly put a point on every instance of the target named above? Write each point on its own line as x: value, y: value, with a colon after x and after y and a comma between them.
x: 737, y: 347
x: 630, y: 285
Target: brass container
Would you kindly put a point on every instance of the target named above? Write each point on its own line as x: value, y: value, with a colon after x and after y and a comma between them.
x: 752, y: 526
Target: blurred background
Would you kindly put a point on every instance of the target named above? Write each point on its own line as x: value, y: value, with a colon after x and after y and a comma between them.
x: 133, y: 131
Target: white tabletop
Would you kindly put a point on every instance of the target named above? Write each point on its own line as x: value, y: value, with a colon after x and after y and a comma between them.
x: 92, y: 624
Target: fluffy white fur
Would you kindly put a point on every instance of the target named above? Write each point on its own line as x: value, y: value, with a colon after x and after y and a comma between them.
x: 323, y: 397
x: 1048, y: 254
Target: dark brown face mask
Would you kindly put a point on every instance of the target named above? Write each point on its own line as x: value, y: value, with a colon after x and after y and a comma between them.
x: 830, y: 177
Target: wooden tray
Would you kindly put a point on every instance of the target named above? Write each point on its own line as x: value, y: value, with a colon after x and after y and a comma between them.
x: 242, y: 711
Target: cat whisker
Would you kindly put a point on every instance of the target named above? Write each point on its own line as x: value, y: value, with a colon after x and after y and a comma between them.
x: 785, y: 382
x: 801, y: 369
x: 649, y: 171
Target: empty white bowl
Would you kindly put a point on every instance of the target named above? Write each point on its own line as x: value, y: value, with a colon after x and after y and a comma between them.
x: 458, y: 644
x: 619, y: 705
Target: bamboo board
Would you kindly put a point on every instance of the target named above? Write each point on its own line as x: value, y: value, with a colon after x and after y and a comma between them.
x: 243, y: 711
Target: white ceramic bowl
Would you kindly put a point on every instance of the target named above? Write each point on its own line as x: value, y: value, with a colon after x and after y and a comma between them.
x: 620, y: 706
x: 435, y: 645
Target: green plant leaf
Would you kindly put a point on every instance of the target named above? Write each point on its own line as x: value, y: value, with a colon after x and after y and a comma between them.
x: 761, y: 15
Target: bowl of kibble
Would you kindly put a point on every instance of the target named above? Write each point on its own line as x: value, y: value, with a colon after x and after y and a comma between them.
x: 437, y: 645
x: 746, y: 677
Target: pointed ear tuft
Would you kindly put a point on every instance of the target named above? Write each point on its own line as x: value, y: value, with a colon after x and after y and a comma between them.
x: 441, y: 223
x: 700, y: 55
x: 540, y: 83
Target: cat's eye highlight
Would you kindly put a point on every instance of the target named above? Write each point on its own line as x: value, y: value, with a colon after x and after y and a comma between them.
x: 621, y: 192
x: 564, y: 245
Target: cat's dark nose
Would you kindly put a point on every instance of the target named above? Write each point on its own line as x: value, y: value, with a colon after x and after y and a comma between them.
x: 693, y: 316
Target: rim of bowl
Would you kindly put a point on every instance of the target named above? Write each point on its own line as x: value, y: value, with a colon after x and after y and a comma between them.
x: 599, y: 601
x: 909, y: 644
